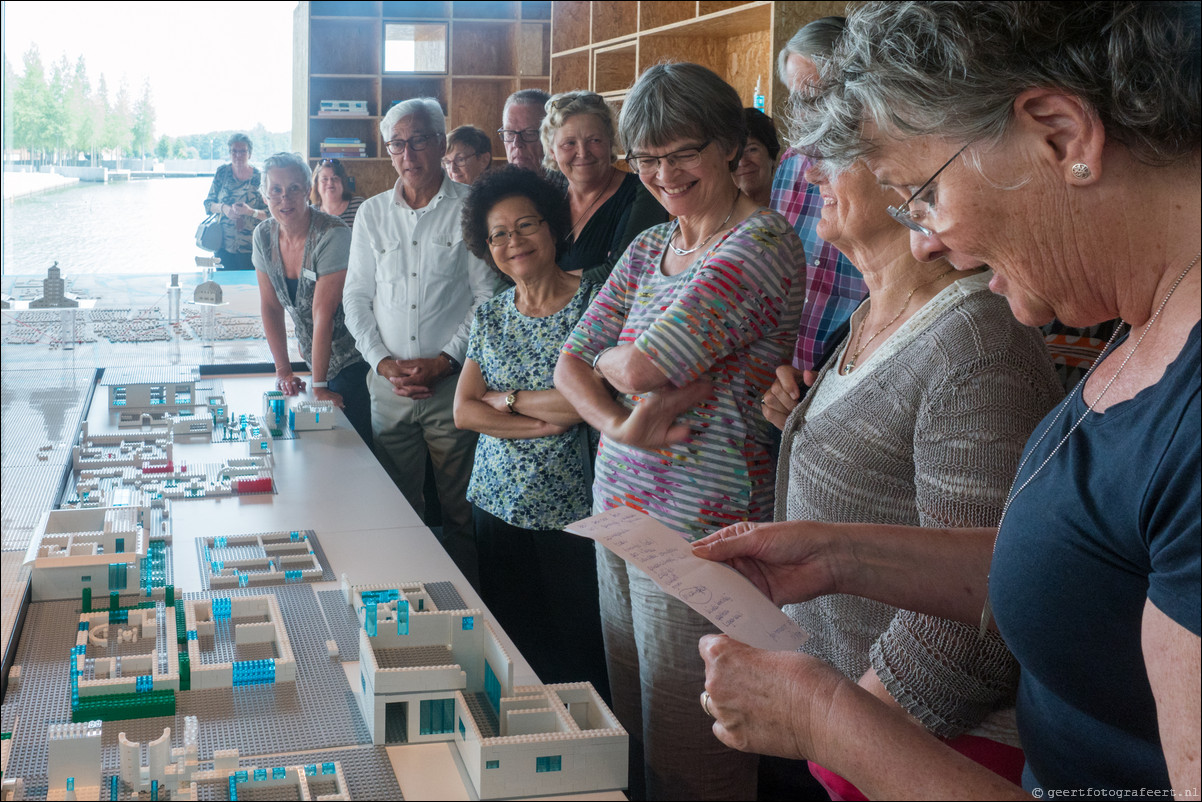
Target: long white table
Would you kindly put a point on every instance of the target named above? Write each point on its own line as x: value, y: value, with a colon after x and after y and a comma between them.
x: 327, y: 481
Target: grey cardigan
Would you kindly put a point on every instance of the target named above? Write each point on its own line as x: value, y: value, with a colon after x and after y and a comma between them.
x: 931, y: 437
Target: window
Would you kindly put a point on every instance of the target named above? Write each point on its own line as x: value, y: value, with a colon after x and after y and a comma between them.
x: 549, y: 763
x: 462, y: 729
x: 437, y: 716
x: 469, y: 622
x: 492, y: 687
x: 492, y: 764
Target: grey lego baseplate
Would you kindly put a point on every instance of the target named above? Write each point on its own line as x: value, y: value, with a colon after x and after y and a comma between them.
x: 209, y: 553
x: 317, y: 712
x: 343, y: 624
x: 444, y: 596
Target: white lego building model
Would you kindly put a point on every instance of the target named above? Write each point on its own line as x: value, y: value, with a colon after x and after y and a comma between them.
x: 255, y: 620
x: 131, y: 390
x: 73, y: 756
x: 427, y: 674
x: 101, y: 548
x: 305, y: 416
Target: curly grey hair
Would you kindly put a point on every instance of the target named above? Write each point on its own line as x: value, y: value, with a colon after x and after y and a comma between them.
x: 954, y: 69
x: 286, y: 161
x: 565, y: 105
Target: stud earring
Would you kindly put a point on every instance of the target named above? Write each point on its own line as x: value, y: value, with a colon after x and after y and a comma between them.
x: 1082, y: 171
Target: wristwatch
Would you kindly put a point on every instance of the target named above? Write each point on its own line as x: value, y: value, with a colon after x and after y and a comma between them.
x: 510, y: 400
x: 452, y: 361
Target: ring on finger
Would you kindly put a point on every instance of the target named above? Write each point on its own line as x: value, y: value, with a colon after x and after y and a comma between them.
x: 705, y: 704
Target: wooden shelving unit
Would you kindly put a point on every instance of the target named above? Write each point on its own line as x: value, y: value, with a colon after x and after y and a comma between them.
x: 493, y: 49
x: 605, y: 46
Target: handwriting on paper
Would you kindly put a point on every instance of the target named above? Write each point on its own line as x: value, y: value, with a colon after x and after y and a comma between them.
x: 715, y: 590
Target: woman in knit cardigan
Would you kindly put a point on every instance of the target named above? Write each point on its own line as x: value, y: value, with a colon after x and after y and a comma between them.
x: 919, y: 418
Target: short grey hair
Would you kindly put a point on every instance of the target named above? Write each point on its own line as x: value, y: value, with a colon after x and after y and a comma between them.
x: 678, y: 100
x: 427, y: 108
x: 560, y: 108
x: 286, y: 161
x: 527, y: 97
x: 814, y: 41
x: 954, y: 69
x: 244, y: 139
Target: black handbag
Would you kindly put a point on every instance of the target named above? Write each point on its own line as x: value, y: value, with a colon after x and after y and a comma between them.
x: 208, y: 233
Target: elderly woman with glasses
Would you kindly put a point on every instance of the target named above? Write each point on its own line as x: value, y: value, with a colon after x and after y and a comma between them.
x: 533, y: 463
x: 469, y: 153
x: 609, y: 208
x: 332, y: 193
x: 669, y: 363
x: 1058, y: 143
x: 234, y: 194
x: 300, y: 254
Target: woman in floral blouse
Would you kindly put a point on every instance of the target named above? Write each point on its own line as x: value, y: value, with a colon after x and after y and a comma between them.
x: 533, y: 468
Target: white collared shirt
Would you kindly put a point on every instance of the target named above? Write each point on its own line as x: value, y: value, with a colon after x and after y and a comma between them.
x: 412, y: 287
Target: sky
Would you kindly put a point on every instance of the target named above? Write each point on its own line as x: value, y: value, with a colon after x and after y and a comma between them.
x: 212, y: 65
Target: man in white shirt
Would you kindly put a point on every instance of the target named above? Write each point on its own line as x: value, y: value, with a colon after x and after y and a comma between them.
x: 411, y: 291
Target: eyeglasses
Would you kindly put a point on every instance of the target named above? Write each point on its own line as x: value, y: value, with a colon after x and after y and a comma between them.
x: 458, y: 161
x: 415, y: 143
x: 239, y: 151
x: 904, y: 215
x: 328, y: 163
x: 276, y: 193
x: 569, y: 99
x: 525, y: 226
x: 684, y: 159
x: 509, y: 135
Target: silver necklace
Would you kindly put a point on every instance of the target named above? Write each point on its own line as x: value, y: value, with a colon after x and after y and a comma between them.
x: 987, y: 611
x: 698, y: 246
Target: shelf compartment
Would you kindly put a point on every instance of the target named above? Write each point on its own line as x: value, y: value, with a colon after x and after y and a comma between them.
x: 536, y: 10
x: 479, y: 103
x: 366, y: 130
x: 712, y: 6
x: 349, y: 8
x: 614, y: 20
x: 415, y: 9
x: 343, y: 89
x: 394, y: 88
x: 482, y: 48
x: 484, y: 9
x: 344, y: 47
x: 615, y: 68
x: 570, y: 71
x: 534, y: 51
x: 570, y: 22
x: 657, y: 13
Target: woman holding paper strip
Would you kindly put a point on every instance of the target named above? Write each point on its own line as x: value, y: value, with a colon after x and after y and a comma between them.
x: 687, y: 331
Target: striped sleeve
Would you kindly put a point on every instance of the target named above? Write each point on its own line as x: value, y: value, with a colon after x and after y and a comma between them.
x: 738, y: 296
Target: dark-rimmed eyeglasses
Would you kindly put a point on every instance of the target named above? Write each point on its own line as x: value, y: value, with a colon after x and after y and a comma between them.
x: 683, y: 159
x: 903, y: 214
x: 524, y: 226
x: 415, y: 143
x: 328, y: 163
x: 459, y: 161
x: 510, y: 135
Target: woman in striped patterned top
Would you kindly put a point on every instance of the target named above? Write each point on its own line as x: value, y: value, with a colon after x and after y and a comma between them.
x: 687, y: 332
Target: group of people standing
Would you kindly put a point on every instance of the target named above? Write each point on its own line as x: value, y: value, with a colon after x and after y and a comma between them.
x: 560, y: 336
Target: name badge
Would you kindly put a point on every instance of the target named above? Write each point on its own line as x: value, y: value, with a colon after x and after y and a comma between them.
x: 310, y: 274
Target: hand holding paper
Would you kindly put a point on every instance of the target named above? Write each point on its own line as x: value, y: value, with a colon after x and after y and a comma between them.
x: 716, y: 591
